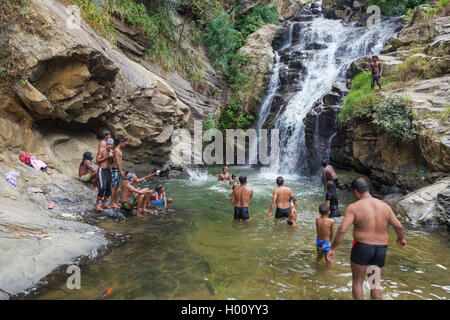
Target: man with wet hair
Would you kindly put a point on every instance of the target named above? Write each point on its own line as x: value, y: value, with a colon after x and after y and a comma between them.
x: 281, y: 196
x: 377, y: 68
x: 328, y: 174
x: 370, y: 218
x: 241, y: 197
x: 224, y: 176
x: 117, y: 171
x: 105, y: 135
x: 104, y: 160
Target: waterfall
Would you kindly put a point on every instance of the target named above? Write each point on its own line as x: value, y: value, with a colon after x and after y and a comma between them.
x: 325, y: 48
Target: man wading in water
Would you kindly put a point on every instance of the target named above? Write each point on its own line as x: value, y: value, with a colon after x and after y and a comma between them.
x: 370, y: 218
x: 328, y: 175
x: 241, y: 197
x: 281, y: 196
x: 377, y: 69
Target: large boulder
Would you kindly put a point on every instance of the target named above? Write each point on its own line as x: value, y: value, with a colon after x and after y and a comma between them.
x: 258, y: 49
x: 428, y: 205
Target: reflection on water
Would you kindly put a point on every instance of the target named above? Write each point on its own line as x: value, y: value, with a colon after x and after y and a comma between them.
x: 197, y: 252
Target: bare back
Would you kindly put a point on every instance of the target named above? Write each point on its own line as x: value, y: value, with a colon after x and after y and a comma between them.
x: 324, y: 227
x: 283, y: 195
x: 329, y: 173
x: 85, y: 168
x: 371, y: 218
x: 241, y: 196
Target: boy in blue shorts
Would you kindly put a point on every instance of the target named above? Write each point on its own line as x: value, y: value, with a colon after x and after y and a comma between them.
x: 325, y: 230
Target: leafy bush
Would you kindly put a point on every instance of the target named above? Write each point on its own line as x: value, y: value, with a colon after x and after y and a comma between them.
x: 396, y: 7
x: 224, y: 37
x: 209, y: 124
x: 393, y: 116
x: 440, y: 6
x: 360, y: 100
x: 232, y: 116
x: 222, y: 41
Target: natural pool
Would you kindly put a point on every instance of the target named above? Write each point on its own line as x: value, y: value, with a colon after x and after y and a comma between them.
x: 196, y: 251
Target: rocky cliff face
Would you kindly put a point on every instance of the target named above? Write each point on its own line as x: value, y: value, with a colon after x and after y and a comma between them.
x: 74, y: 81
x: 421, y: 164
x: 258, y: 50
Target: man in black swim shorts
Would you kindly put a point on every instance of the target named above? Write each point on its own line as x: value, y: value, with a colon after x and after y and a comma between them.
x: 370, y: 218
x: 241, y: 197
x: 281, y: 196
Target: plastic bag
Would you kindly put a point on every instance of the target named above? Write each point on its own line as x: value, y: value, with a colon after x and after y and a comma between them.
x: 12, y: 177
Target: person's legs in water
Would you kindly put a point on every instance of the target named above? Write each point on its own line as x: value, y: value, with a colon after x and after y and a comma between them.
x: 376, y: 293
x: 140, y: 203
x: 359, y: 275
x: 115, y: 188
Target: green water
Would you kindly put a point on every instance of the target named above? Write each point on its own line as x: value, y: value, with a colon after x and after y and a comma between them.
x: 197, y: 252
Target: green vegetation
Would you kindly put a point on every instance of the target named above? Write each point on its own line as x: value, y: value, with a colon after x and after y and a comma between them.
x: 396, y: 7
x: 224, y: 37
x: 209, y: 123
x: 394, y: 117
x: 96, y: 17
x: 360, y: 100
x: 443, y: 115
x: 389, y: 113
x: 232, y: 116
x: 440, y: 6
x: 3, y: 73
x: 418, y: 67
x: 23, y: 80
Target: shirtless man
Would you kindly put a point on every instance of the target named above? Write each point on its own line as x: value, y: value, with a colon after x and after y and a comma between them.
x: 370, y: 218
x: 241, y: 197
x: 86, y: 171
x: 377, y: 68
x: 224, y: 176
x: 328, y: 174
x: 133, y: 197
x: 104, y: 136
x: 104, y: 161
x: 281, y: 196
x: 117, y: 172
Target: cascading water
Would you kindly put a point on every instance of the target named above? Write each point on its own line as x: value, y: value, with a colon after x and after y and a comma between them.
x: 323, y: 50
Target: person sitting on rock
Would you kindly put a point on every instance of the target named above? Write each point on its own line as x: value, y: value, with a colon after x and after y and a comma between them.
x: 135, y: 198
x: 86, y: 171
x: 159, y: 198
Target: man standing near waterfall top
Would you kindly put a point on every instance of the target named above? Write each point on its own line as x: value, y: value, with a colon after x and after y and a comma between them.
x: 370, y: 218
x: 377, y: 68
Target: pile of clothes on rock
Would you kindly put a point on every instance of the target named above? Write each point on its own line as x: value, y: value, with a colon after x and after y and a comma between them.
x: 32, y: 161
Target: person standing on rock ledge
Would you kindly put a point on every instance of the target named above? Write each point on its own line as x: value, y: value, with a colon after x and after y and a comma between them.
x: 104, y: 136
x: 370, y: 218
x: 117, y: 172
x: 377, y: 68
x: 104, y: 161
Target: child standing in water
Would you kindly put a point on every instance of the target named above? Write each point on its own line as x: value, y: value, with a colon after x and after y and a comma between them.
x: 325, y: 230
x: 292, y: 219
